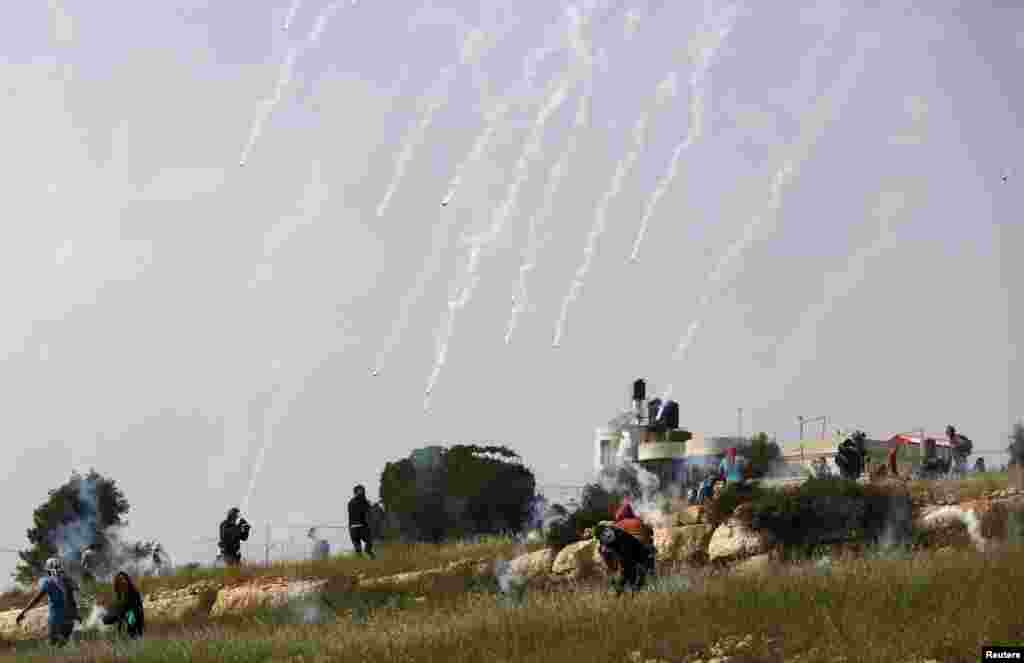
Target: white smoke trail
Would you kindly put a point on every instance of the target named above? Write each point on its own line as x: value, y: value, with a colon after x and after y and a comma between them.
x: 416, y: 137
x: 734, y: 251
x: 268, y: 438
x: 702, y: 62
x: 577, y: 23
x: 292, y: 12
x: 454, y: 305
x: 666, y: 89
x: 435, y: 99
x: 480, y: 145
x: 285, y: 79
x: 810, y: 133
x: 558, y: 172
x: 892, y: 205
x: 530, y: 153
x: 439, y: 241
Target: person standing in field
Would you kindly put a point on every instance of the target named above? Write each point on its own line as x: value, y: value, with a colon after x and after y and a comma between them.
x: 60, y: 593
x: 359, y: 523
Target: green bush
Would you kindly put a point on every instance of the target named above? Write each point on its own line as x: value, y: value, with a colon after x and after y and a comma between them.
x: 731, y: 496
x: 824, y: 510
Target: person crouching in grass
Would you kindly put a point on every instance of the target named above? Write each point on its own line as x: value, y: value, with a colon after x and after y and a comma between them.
x: 127, y: 612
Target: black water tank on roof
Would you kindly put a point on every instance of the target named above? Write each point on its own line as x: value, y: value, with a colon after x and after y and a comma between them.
x: 671, y: 415
x: 639, y: 390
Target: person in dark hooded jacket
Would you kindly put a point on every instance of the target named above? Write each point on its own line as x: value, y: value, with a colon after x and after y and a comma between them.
x: 625, y: 545
x: 127, y: 612
x: 359, y: 522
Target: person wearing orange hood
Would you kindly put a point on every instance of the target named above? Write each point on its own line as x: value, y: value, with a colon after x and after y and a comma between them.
x: 626, y: 547
x: 627, y: 520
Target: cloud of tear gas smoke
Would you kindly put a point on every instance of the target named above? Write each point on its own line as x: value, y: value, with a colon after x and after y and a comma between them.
x: 511, y: 585
x: 505, y: 576
x: 293, y: 10
x: 811, y: 130
x: 69, y: 538
x: 666, y: 89
x: 650, y: 504
x: 433, y: 101
x: 702, y: 56
x: 285, y: 78
x: 555, y: 178
x: 970, y: 521
x: 897, y: 530
x: 439, y: 241
x: 531, y: 152
x: 132, y: 558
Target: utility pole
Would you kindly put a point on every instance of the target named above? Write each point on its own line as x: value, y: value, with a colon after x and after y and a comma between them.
x: 739, y: 425
x: 266, y: 552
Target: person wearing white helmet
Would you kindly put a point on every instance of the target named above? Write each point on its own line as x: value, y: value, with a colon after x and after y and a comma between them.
x: 59, y: 590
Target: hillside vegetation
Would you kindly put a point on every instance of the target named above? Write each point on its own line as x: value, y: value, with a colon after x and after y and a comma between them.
x: 896, y: 604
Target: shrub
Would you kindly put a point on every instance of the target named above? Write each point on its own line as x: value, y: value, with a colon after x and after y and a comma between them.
x: 823, y: 510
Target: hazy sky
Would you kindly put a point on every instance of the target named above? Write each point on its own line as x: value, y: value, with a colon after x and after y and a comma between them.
x: 151, y: 283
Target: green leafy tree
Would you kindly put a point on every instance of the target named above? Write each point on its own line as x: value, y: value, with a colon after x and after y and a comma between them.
x: 74, y: 515
x: 439, y: 493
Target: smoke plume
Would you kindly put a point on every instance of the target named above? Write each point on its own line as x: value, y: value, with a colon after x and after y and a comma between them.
x: 285, y: 78
x: 625, y: 475
x: 102, y: 553
x: 69, y: 538
x: 702, y: 56
x: 511, y: 586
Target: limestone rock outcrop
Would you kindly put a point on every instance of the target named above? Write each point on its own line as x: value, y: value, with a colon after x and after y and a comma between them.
x: 732, y: 541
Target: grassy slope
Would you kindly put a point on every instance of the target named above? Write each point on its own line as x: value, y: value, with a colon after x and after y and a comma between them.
x: 942, y: 606
x: 956, y: 602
